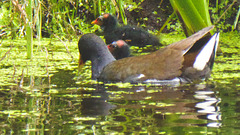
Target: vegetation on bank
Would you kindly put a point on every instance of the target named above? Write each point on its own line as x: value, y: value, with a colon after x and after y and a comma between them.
x: 68, y: 19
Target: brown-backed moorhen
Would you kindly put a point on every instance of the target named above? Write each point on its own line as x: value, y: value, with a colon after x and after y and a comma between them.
x: 131, y: 34
x: 119, y: 49
x: 187, y: 60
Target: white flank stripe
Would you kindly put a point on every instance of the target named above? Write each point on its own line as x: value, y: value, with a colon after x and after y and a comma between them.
x: 141, y: 76
x: 205, y: 54
x: 217, y: 41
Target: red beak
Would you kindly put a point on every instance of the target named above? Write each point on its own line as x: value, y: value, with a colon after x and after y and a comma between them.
x: 98, y: 21
x: 94, y: 22
x: 110, y: 48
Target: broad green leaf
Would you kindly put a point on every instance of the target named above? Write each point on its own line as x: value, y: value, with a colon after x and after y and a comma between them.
x: 193, y: 15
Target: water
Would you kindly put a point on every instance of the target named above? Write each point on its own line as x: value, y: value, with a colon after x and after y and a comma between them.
x: 57, y: 100
x: 95, y: 109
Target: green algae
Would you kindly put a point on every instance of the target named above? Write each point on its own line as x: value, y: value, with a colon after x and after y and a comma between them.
x: 53, y: 55
x: 45, y: 62
x: 227, y: 65
x: 49, y: 91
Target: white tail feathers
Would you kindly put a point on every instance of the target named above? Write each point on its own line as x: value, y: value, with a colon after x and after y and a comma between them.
x: 205, y: 54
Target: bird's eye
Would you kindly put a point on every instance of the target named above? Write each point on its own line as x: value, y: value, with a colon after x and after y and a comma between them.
x: 112, y: 46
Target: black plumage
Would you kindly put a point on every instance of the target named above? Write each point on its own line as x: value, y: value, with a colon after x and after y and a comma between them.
x: 133, y: 35
x: 119, y: 49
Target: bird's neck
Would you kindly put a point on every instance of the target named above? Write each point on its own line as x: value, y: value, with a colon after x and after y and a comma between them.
x: 99, y: 61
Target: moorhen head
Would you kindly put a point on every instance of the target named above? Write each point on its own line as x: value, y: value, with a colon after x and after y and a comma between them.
x: 93, y: 48
x: 134, y: 35
x: 119, y: 49
x: 187, y: 60
x: 107, y: 22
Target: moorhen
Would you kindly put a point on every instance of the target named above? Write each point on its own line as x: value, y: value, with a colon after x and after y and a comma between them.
x: 131, y: 34
x: 119, y: 49
x: 185, y: 61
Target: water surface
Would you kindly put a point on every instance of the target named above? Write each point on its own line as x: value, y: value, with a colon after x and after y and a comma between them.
x: 47, y: 95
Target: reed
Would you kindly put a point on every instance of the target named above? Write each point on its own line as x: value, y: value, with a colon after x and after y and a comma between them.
x: 122, y: 12
x: 66, y: 18
x: 29, y: 30
x: 236, y: 19
x: 38, y: 14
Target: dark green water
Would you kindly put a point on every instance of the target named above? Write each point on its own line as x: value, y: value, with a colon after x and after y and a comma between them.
x: 48, y: 96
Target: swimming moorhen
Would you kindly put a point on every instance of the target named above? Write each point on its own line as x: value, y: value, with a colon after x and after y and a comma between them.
x: 119, y: 49
x: 187, y: 60
x: 131, y: 34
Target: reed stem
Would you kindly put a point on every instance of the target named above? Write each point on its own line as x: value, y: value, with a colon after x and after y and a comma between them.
x: 29, y: 29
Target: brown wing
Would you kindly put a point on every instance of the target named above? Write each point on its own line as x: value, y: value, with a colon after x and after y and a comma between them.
x: 162, y: 65
x: 187, y: 43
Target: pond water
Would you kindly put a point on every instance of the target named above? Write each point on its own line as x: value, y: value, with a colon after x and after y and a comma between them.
x: 47, y: 95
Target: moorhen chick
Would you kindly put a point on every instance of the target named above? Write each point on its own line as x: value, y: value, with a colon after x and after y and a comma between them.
x: 131, y: 34
x: 185, y: 61
x: 119, y: 49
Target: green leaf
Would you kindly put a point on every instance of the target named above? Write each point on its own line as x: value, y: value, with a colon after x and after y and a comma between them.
x: 193, y: 15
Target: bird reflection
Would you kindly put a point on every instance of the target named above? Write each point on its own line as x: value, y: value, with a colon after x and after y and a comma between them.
x: 198, y: 102
x: 97, y: 104
x: 209, y: 106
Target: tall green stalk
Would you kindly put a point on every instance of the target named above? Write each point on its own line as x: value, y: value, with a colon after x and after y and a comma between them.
x: 236, y: 19
x: 99, y: 7
x: 39, y: 21
x: 13, y: 30
x: 122, y: 12
x: 29, y: 29
x: 165, y: 24
x: 95, y: 8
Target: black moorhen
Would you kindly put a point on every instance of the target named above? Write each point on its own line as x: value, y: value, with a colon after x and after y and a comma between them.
x: 119, y: 49
x: 131, y: 34
x: 187, y: 60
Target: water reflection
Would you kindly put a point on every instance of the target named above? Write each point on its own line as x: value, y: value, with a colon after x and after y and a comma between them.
x: 155, y: 109
x: 103, y: 109
x: 209, y: 106
x: 97, y: 104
